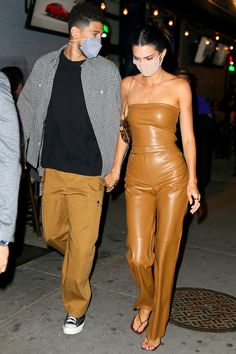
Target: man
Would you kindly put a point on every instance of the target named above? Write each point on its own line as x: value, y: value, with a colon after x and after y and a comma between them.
x: 70, y: 113
x: 9, y: 168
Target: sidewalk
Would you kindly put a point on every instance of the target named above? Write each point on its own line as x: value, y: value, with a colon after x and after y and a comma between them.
x: 32, y: 313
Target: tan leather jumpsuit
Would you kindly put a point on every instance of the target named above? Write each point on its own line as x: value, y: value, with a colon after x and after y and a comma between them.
x: 156, y: 201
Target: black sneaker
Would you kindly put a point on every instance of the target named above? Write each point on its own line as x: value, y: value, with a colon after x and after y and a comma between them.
x: 73, y: 325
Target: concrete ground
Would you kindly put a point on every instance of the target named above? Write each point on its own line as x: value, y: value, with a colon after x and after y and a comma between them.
x: 32, y: 315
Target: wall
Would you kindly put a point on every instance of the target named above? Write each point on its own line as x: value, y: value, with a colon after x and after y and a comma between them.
x: 211, y: 80
x: 113, y: 7
x: 20, y: 46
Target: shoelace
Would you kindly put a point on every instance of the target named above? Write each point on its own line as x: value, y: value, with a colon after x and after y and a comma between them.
x: 71, y: 319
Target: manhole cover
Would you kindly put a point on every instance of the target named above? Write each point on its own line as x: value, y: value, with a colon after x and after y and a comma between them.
x: 204, y: 310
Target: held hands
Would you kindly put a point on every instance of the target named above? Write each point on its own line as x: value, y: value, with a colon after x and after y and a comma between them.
x: 4, y: 253
x: 111, y: 180
x: 193, y: 196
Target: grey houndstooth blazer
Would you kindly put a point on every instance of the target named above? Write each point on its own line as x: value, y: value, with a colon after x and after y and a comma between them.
x: 10, y: 168
x: 101, y: 86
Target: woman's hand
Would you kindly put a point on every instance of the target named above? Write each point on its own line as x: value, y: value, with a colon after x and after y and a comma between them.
x: 193, y: 196
x: 111, y: 180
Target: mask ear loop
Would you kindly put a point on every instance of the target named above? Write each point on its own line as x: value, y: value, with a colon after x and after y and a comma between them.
x: 162, y: 57
x: 74, y: 45
x: 161, y: 60
x: 75, y: 40
x: 70, y: 42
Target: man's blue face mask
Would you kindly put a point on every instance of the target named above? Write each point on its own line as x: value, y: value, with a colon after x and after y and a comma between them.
x: 91, y: 47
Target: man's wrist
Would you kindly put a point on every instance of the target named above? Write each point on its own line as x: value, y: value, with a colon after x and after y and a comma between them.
x: 4, y: 243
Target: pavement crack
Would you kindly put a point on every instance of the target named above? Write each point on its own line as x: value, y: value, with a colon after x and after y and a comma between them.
x: 113, y: 291
x: 23, y: 267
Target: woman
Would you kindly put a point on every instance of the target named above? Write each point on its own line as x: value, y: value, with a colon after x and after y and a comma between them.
x: 158, y: 182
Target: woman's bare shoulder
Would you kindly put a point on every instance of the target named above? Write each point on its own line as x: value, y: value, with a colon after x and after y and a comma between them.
x: 172, y: 81
x: 181, y: 82
x: 126, y: 83
x: 127, y: 80
x: 168, y: 76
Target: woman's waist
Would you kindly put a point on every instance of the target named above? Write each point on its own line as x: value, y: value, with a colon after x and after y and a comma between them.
x: 136, y: 148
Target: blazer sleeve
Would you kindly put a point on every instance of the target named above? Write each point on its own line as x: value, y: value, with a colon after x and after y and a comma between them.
x: 27, y: 101
x: 116, y: 83
x: 10, y: 169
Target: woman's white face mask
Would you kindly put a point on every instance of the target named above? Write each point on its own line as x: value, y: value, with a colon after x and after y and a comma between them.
x: 148, y: 67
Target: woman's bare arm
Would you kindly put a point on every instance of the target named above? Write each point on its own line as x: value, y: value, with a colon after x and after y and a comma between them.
x: 188, y: 140
x: 111, y: 179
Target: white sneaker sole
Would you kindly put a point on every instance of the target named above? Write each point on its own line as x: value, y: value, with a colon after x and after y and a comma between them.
x: 73, y: 330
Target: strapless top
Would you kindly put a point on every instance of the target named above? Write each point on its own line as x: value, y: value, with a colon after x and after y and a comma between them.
x: 153, y: 126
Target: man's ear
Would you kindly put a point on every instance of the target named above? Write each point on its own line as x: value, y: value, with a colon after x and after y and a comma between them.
x: 75, y: 32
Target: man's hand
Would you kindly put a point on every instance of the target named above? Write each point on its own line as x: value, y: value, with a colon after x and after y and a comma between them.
x: 4, y: 253
x: 110, y: 181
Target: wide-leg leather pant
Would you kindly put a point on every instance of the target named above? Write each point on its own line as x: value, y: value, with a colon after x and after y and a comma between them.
x: 156, y: 202
x: 72, y: 206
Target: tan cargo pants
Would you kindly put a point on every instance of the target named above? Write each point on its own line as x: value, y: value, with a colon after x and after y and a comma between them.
x: 72, y: 206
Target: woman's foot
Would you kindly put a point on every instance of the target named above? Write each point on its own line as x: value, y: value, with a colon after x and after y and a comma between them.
x: 140, y: 321
x: 150, y: 345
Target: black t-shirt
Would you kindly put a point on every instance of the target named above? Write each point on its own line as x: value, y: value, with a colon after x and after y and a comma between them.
x: 69, y: 143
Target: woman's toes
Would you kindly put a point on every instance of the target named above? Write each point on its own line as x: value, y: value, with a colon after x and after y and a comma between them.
x: 150, y: 344
x: 145, y: 343
x: 140, y: 321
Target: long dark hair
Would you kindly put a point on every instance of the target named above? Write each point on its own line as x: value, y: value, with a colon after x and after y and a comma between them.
x: 152, y: 34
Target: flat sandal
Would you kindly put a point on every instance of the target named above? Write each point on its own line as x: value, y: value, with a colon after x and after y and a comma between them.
x: 154, y: 347
x: 141, y: 324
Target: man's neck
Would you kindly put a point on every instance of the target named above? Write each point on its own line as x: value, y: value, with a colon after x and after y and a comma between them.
x: 73, y: 53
